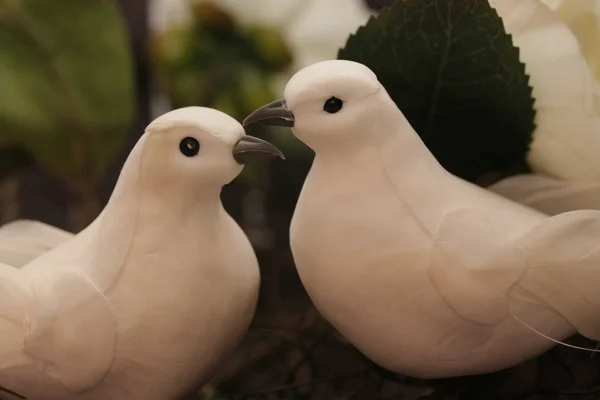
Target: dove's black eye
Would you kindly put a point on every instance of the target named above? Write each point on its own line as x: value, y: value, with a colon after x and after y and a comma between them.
x: 189, y: 147
x: 333, y: 105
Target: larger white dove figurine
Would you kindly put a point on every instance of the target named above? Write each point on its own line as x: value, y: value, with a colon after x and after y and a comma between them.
x: 426, y: 274
x: 146, y: 301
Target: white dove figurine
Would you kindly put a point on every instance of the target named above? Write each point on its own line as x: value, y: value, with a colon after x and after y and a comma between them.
x: 426, y: 274
x: 146, y: 301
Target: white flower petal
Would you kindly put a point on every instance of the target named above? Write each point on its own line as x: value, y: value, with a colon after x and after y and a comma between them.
x: 273, y: 13
x: 166, y: 13
x: 322, y: 28
x: 567, y: 144
x: 583, y: 17
x: 566, y: 140
x: 553, y: 4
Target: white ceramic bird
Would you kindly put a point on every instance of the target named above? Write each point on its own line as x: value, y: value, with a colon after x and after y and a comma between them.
x: 426, y: 274
x: 148, y: 299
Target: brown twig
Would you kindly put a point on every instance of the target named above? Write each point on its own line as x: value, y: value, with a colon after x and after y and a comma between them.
x: 312, y: 382
x: 306, y: 357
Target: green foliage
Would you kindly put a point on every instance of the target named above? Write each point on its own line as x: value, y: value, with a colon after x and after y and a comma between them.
x: 11, y: 158
x: 214, y: 62
x: 66, y: 77
x: 456, y: 75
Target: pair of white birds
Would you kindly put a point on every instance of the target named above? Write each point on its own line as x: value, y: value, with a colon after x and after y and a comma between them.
x: 423, y: 272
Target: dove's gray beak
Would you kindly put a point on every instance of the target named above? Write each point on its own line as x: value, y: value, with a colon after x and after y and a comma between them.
x: 249, y: 147
x: 275, y: 114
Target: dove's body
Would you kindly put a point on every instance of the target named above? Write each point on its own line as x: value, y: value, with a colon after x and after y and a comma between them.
x: 367, y: 271
x: 426, y: 274
x: 165, y: 286
x: 209, y: 311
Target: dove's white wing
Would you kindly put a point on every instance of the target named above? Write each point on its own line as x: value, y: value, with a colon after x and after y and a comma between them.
x: 24, y: 240
x: 473, y: 268
x: 548, y: 195
x: 558, y: 262
x: 563, y: 267
x: 72, y: 329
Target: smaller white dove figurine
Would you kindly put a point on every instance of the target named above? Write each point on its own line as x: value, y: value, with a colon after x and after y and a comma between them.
x: 426, y: 274
x: 145, y: 302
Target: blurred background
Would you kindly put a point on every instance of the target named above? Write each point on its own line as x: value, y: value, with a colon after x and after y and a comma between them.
x: 80, y: 80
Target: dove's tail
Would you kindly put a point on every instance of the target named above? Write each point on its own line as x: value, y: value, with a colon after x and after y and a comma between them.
x: 551, y: 339
x: 563, y: 257
x: 572, y: 292
x: 22, y: 241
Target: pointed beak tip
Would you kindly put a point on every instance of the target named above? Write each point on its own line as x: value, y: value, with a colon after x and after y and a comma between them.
x: 249, y: 147
x: 275, y: 113
x: 247, y: 121
x: 278, y: 153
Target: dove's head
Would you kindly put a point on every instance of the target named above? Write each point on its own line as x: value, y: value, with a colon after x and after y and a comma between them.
x: 196, y: 148
x: 331, y: 104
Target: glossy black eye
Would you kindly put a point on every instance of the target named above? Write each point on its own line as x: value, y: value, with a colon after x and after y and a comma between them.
x: 333, y: 105
x: 189, y: 147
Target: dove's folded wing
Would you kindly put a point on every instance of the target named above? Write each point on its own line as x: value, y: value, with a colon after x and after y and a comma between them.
x: 473, y: 268
x: 563, y: 267
x: 73, y: 329
x: 24, y: 240
x: 548, y: 195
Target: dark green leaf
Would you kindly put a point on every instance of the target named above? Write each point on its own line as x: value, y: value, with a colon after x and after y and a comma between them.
x: 456, y: 75
x: 66, y: 79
